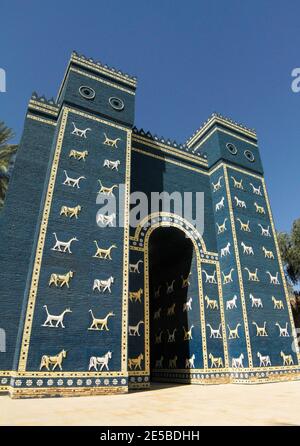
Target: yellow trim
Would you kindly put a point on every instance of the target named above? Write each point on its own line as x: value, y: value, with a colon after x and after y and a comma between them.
x: 169, y: 150
x: 239, y: 271
x: 215, y: 120
x: 111, y: 84
x: 36, y: 118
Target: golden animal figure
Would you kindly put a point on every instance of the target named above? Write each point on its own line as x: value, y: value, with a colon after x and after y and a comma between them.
x: 111, y: 142
x: 61, y: 279
x: 215, y: 361
x: 54, y: 361
x: 136, y: 295
x: 70, y: 211
x: 237, y: 184
x: 136, y: 363
x: 259, y: 209
x: 278, y: 304
x: 268, y: 254
x: 171, y: 310
x: 102, y: 253
x: 287, y: 359
x: 76, y: 154
x: 187, y: 336
x: 102, y: 322
x: 244, y: 226
x: 106, y: 190
x: 260, y: 331
x: 211, y: 303
x: 185, y: 281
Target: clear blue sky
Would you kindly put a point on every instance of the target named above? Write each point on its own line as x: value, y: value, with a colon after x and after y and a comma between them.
x: 191, y: 58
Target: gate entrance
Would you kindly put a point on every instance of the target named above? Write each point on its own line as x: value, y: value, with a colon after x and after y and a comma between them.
x: 170, y: 262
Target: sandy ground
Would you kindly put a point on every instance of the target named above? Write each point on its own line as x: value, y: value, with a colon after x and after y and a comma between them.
x: 230, y: 404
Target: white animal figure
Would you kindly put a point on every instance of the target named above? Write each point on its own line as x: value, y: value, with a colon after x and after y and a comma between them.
x: 173, y: 363
x: 264, y: 361
x: 79, y: 132
x: 252, y: 276
x: 170, y: 288
x: 215, y: 332
x: 101, y: 361
x: 222, y: 228
x: 106, y: 220
x: 244, y: 226
x: 259, y: 209
x: 106, y: 190
x: 216, y: 186
x: 171, y: 310
x: 157, y: 314
x: 190, y: 362
x: 256, y: 190
x: 61, y: 279
x: 215, y: 361
x: 230, y: 304
x: 220, y: 204
x: 188, y: 333
x: 70, y: 211
x: 102, y: 322
x: 273, y: 279
x: 256, y: 301
x: 78, y: 155
x: 234, y: 332
x: 185, y: 281
x: 226, y: 250
x: 134, y: 267
x: 268, y: 254
x: 210, y: 278
x: 63, y: 246
x: 228, y: 277
x: 187, y: 306
x: 239, y: 203
x: 287, y: 359
x: 283, y: 331
x: 260, y: 331
x: 113, y: 165
x: 102, y: 253
x: 248, y: 250
x: 237, y: 184
x: 136, y: 295
x: 237, y: 362
x: 211, y: 303
x: 103, y: 285
x: 73, y: 182
x: 265, y: 231
x: 55, y: 361
x: 278, y: 304
x: 159, y: 363
x: 58, y: 319
x: 111, y: 142
x: 158, y: 338
x: 133, y: 330
x: 171, y: 336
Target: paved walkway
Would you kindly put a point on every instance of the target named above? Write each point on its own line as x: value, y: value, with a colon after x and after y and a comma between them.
x: 229, y: 404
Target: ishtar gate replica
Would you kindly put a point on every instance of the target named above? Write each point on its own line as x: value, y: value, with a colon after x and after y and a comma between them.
x: 91, y: 309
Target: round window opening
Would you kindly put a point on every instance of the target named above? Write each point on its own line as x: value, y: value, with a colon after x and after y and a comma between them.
x: 87, y: 92
x: 249, y: 155
x: 116, y: 103
x: 231, y: 147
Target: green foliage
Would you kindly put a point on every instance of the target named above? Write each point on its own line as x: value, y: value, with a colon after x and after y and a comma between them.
x: 289, y: 245
x: 6, y: 152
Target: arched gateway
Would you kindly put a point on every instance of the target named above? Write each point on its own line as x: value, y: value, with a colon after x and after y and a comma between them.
x: 93, y: 303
